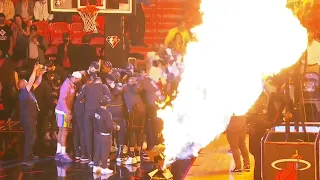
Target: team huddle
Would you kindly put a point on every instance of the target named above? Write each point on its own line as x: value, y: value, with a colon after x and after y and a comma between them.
x: 114, y: 107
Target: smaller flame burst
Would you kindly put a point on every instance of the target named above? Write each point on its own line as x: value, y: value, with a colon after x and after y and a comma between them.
x: 167, y: 101
x: 162, y: 104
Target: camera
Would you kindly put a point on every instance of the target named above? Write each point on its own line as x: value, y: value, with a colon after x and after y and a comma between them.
x: 43, y: 67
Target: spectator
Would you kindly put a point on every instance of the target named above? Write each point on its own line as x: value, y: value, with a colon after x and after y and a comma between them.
x: 40, y: 11
x: 157, y: 74
x: 65, y: 54
x: 236, y: 135
x: 179, y: 29
x: 25, y: 9
x: 36, y: 48
x: 59, y: 73
x: 92, y: 94
x: 9, y: 80
x: 56, y: 76
x: 35, y: 53
x: 138, y: 24
x: 43, y: 96
x: 21, y: 34
x: 2, y: 58
x: 152, y: 55
x: 6, y: 40
x: 173, y: 70
x: 29, y: 111
x: 7, y: 8
x: 177, y: 44
x: 86, y: 54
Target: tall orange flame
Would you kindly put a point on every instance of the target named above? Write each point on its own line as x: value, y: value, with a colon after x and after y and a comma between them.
x: 237, y: 43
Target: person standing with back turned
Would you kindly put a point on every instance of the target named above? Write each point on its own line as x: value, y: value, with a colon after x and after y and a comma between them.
x: 103, y: 128
x: 236, y: 135
x: 91, y: 95
x: 29, y: 111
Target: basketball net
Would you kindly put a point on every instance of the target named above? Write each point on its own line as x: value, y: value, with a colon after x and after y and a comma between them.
x: 89, y: 15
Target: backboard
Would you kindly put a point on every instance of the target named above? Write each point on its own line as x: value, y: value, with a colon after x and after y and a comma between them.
x: 104, y: 6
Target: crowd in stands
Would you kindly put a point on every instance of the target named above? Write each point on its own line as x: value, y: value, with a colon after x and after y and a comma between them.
x: 22, y: 46
x: 28, y: 9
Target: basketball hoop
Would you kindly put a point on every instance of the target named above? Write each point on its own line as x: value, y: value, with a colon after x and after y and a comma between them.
x: 89, y: 15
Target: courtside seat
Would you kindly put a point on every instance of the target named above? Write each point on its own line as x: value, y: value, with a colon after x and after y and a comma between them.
x: 165, y: 26
x: 169, y: 19
x: 77, y: 41
x: 140, y: 49
x: 141, y: 63
x: 171, y: 5
x: 56, y: 41
x: 154, y: 41
x: 100, y: 23
x: 151, y: 25
x: 76, y: 32
x: 2, y: 122
x: 76, y: 28
x: 52, y: 58
x: 150, y: 34
x: 165, y: 11
x: 159, y: 20
x: 51, y: 53
x: 149, y: 41
x: 161, y: 34
x: 149, y: 20
x: 148, y: 11
x: 76, y: 18
x: 43, y: 29
x: 56, y: 31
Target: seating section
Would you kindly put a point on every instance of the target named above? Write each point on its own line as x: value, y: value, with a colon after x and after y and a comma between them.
x: 43, y: 29
x: 159, y: 19
x: 76, y: 32
x: 57, y: 29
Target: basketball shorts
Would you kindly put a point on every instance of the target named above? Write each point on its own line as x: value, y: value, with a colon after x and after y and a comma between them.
x: 61, y: 121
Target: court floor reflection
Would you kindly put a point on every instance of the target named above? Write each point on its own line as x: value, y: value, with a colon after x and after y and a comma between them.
x: 46, y: 168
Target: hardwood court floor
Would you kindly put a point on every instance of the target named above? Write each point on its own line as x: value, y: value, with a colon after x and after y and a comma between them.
x: 214, y: 163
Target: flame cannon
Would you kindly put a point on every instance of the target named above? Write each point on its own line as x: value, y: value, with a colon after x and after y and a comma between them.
x: 160, y: 172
